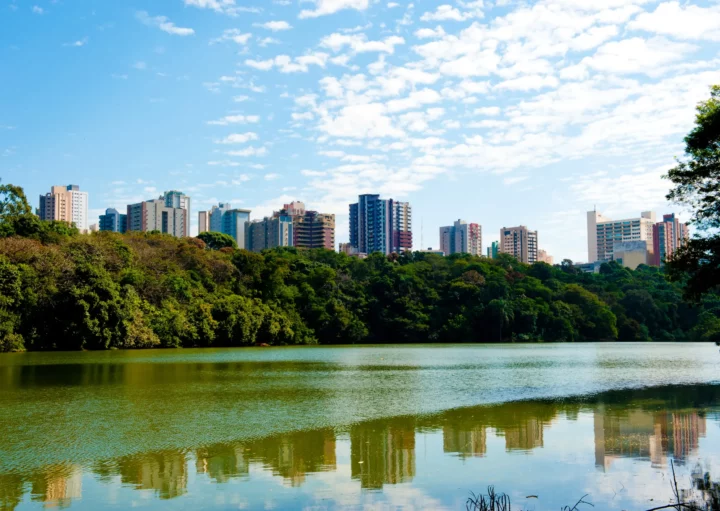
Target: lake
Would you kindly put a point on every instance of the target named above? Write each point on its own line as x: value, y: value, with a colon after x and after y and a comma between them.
x: 375, y: 427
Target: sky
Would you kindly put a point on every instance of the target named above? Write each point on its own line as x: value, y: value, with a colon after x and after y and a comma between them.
x: 498, y: 112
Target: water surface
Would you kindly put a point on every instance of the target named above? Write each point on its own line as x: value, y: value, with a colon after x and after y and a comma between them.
x: 412, y: 427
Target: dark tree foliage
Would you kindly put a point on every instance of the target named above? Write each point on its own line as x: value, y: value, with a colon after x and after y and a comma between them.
x: 697, y: 186
x: 217, y: 240
x: 63, y: 291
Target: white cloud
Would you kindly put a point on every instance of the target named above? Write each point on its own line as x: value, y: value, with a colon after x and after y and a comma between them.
x: 286, y: 64
x: 250, y: 151
x: 38, y: 10
x: 222, y: 6
x: 233, y: 34
x: 325, y: 7
x: 79, y: 43
x: 140, y: 65
x: 235, y: 119
x: 275, y: 26
x: 224, y: 163
x: 683, y: 22
x: 240, y: 99
x: 528, y: 82
x: 514, y: 180
x: 163, y: 24
x: 637, y: 55
x: 361, y: 121
x: 238, y: 138
x: 305, y: 116
x: 414, y: 100
x: 489, y: 111
x: 271, y: 177
x: 430, y: 33
x: 265, y: 41
x: 449, y: 13
x: 313, y: 173
x: 358, y: 43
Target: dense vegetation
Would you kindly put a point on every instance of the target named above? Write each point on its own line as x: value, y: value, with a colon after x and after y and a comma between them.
x: 62, y: 290
x: 697, y: 186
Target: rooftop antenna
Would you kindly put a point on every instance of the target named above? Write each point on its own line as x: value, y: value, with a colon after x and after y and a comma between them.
x: 422, y: 240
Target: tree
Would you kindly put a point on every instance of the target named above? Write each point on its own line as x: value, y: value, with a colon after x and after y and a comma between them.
x: 217, y: 240
x: 13, y: 202
x: 697, y: 186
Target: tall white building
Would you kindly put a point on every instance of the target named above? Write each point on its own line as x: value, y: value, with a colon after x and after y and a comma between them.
x: 461, y: 238
x: 603, y: 233
x: 65, y: 204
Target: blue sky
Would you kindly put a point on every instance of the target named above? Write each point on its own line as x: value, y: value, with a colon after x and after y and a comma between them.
x: 497, y: 111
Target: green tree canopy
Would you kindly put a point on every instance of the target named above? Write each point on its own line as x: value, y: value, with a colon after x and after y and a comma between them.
x: 697, y: 185
x: 217, y: 240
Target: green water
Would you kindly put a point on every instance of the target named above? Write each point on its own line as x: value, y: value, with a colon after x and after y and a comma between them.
x: 412, y: 427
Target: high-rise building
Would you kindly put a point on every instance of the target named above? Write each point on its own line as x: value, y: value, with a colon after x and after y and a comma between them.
x: 461, y: 238
x: 668, y: 236
x: 401, y: 226
x: 178, y: 200
x: 223, y: 218
x: 543, y: 257
x: 155, y: 215
x: 603, y: 233
x: 113, y: 221
x: 65, y: 204
x: 520, y: 243
x: 215, y: 216
x: 234, y: 222
x: 310, y: 228
x: 268, y: 233
x: 492, y: 250
x: 203, y: 222
x: 380, y: 225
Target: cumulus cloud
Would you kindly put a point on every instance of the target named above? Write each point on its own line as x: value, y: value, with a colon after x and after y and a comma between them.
x: 250, y: 151
x: 447, y: 12
x: 681, y: 21
x: 79, y: 43
x: 163, y: 23
x: 233, y: 34
x: 275, y: 26
x: 234, y: 119
x: 238, y: 138
x: 286, y: 64
x: 359, y: 43
x: 325, y: 7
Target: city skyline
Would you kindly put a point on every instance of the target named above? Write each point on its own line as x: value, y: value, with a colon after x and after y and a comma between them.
x: 505, y: 114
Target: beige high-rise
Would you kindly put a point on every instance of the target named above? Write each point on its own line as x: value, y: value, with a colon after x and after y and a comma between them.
x: 65, y: 204
x: 520, y: 243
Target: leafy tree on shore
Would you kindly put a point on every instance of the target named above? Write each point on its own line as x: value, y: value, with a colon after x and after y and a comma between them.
x: 697, y: 186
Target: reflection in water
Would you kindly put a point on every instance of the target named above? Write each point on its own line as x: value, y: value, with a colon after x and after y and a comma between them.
x: 650, y: 424
x: 383, y: 452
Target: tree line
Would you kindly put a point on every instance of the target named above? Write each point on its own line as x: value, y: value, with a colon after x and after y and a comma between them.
x: 60, y: 290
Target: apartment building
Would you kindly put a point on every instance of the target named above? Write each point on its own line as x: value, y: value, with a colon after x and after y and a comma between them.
x: 520, y: 243
x: 461, y: 238
x: 380, y: 225
x: 65, y: 204
x: 604, y: 233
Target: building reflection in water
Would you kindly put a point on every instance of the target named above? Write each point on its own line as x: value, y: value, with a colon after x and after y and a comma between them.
x: 57, y: 487
x: 654, y: 435
x: 383, y: 452
x: 651, y: 424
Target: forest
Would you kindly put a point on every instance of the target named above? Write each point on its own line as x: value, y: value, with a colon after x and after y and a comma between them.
x: 61, y: 290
